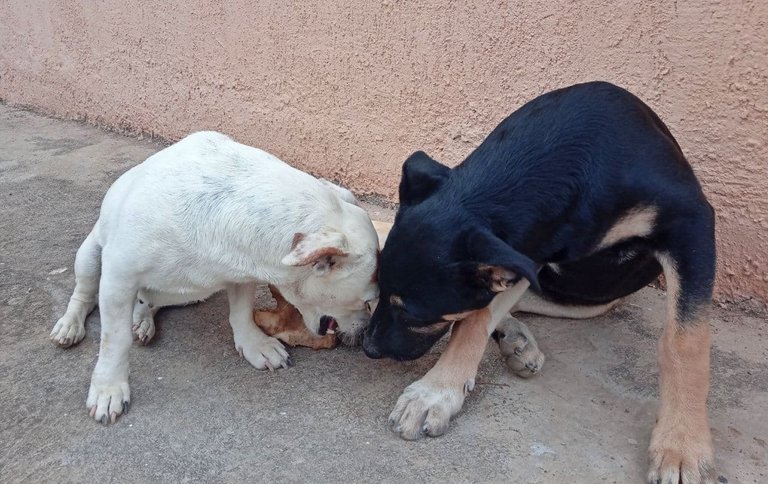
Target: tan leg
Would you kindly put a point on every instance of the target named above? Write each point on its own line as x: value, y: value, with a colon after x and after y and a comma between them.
x: 286, y: 324
x: 427, y: 405
x: 681, y: 444
x: 457, y: 366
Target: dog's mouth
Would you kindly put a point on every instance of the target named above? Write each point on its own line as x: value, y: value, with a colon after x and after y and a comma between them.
x: 328, y: 325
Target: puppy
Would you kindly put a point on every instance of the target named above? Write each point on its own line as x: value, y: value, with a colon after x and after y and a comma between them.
x: 583, y: 194
x: 208, y: 214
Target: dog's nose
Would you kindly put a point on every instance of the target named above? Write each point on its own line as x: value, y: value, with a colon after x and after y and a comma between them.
x: 370, y: 349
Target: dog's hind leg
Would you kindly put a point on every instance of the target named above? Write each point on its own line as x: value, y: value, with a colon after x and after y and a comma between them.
x: 533, y: 303
x: 681, y: 445
x: 518, y: 347
x: 144, y: 311
x: 70, y: 328
x: 148, y: 303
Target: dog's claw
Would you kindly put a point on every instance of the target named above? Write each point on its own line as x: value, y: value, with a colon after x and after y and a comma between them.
x: 289, y: 361
x: 391, y: 423
x: 103, y: 419
x: 126, y: 406
x: 469, y: 385
x: 92, y: 411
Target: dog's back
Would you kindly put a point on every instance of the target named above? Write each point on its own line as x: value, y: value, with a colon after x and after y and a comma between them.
x: 210, y: 192
x: 575, y: 157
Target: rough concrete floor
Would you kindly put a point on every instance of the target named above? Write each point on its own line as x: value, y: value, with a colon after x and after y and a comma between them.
x: 200, y: 413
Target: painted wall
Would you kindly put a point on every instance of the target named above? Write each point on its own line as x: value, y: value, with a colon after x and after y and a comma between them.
x: 347, y: 90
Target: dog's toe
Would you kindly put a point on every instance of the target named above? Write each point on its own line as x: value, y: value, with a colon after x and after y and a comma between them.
x: 143, y: 322
x: 144, y: 330
x: 265, y: 353
x: 424, y: 409
x: 681, y: 453
x: 67, y: 331
x: 107, y: 401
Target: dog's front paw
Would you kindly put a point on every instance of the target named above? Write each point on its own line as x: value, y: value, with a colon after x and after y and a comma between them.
x: 681, y: 454
x: 68, y: 330
x: 264, y: 352
x: 519, y: 347
x: 425, y: 408
x: 108, y: 400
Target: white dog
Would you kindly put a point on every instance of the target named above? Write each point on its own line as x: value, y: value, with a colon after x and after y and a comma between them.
x: 208, y: 214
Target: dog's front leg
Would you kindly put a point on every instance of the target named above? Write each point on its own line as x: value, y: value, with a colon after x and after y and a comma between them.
x: 261, y: 351
x: 427, y: 405
x: 109, y: 394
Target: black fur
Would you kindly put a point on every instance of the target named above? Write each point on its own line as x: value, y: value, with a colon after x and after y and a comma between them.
x: 544, y: 187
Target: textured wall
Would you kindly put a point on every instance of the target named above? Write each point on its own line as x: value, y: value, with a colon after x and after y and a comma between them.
x: 348, y: 91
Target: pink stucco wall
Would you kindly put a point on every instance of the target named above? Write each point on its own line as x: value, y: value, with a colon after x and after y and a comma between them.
x: 348, y: 89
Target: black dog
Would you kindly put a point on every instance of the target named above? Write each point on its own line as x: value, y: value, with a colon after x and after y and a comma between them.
x: 584, y: 194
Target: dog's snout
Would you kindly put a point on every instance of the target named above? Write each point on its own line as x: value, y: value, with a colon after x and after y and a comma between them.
x: 370, y: 349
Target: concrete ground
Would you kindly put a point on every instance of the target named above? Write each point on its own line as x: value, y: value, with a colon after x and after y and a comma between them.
x: 200, y: 413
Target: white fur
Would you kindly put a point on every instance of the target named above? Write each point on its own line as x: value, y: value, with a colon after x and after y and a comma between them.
x: 209, y: 214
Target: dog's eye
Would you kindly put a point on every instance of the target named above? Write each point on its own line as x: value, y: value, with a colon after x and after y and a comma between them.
x: 370, y: 306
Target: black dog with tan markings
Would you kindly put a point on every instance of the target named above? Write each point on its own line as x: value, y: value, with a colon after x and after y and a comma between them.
x: 584, y: 194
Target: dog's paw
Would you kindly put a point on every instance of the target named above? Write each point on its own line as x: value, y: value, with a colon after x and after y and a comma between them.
x: 143, y: 322
x: 681, y: 456
x: 426, y: 409
x: 264, y: 352
x: 107, y: 401
x: 68, y: 330
x: 519, y: 347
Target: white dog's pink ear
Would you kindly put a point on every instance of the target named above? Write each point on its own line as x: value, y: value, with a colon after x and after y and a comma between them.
x: 321, y: 250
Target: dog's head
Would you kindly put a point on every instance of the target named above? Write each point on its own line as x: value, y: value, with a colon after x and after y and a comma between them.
x: 340, y: 270
x: 439, y: 262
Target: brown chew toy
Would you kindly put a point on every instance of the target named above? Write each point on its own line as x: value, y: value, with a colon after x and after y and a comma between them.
x: 286, y: 324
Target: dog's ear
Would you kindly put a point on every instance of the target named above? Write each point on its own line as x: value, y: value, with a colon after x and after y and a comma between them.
x: 421, y: 177
x: 496, y: 265
x: 322, y: 250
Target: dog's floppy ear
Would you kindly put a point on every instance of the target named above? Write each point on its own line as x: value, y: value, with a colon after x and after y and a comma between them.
x: 421, y: 177
x: 322, y: 250
x: 496, y: 265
